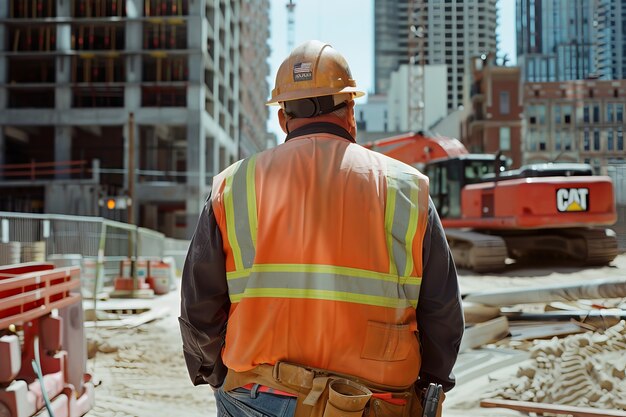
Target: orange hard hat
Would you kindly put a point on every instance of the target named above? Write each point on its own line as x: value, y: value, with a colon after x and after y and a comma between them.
x: 313, y: 69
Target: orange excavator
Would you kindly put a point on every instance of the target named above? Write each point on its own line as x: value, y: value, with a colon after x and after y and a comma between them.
x: 492, y: 215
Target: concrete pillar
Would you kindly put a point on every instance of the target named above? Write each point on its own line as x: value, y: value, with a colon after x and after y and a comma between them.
x: 196, y: 169
x: 62, y: 146
x: 216, y: 156
x: 196, y: 90
x: 134, y: 42
x: 63, y: 92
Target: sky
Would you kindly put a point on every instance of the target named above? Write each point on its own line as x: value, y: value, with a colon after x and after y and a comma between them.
x: 348, y: 25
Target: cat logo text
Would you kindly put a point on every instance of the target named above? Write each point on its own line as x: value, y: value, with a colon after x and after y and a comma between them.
x: 572, y: 199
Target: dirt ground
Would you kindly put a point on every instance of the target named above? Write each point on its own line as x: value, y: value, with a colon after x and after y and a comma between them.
x: 141, y: 371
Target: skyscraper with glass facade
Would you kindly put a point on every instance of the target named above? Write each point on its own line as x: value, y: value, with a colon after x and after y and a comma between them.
x: 560, y: 40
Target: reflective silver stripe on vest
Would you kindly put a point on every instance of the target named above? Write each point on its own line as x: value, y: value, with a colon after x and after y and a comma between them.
x: 404, y: 226
x: 324, y: 282
x: 240, y: 210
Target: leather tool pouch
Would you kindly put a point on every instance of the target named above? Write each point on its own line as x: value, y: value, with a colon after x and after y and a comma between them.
x: 346, y: 398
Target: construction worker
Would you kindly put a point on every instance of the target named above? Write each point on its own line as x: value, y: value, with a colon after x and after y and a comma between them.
x: 319, y: 281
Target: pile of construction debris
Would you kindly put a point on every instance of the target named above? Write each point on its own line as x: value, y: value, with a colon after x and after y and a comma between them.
x: 574, y: 336
x: 585, y: 370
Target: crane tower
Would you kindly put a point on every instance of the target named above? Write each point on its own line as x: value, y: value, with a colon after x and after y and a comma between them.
x: 290, y: 25
x: 417, y: 16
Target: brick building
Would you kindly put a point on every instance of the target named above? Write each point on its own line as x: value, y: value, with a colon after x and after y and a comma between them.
x: 494, y: 121
x: 575, y: 121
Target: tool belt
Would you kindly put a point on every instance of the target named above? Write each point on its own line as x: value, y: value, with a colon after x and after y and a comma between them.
x: 322, y: 393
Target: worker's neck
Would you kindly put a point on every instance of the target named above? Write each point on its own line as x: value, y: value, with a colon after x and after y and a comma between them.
x: 294, y: 124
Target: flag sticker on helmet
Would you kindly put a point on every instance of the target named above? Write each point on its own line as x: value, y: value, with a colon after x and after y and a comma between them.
x: 302, y: 71
x: 572, y: 199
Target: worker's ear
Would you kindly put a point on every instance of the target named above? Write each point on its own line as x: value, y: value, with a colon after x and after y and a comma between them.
x: 282, y: 120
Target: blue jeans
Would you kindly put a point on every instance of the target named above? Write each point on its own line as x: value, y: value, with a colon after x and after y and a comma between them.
x: 242, y: 402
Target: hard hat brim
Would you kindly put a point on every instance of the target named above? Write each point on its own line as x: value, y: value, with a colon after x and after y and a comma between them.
x: 318, y: 92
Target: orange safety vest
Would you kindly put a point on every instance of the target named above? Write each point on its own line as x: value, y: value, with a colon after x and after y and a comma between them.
x: 323, y: 247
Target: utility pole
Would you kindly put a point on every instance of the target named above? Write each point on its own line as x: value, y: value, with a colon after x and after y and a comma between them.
x: 131, y: 168
x: 290, y: 25
x: 133, y: 238
x: 417, y: 64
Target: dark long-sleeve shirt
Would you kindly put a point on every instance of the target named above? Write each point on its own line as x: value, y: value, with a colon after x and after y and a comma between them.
x: 205, y: 305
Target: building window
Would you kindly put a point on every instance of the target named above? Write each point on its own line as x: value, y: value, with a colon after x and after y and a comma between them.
x: 596, y: 140
x: 504, y: 102
x: 609, y: 140
x: 567, y: 114
x: 532, y: 140
x: 557, y: 141
x: 620, y: 139
x: 556, y: 112
x: 609, y: 112
x: 596, y: 113
x: 541, y: 114
x: 568, y: 140
x: 586, y: 142
x: 537, y: 114
x: 619, y: 112
x: 542, y: 142
x: 505, y: 138
x: 586, y: 114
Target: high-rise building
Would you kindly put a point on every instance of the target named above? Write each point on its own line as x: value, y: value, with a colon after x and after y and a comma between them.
x: 560, y: 40
x: 611, y: 25
x: 190, y: 72
x: 253, y: 70
x: 455, y: 31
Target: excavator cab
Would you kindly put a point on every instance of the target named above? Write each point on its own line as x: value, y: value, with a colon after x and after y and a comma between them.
x: 448, y: 176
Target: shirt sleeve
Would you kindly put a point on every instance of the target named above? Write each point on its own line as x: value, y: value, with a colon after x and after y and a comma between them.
x: 439, y: 309
x: 204, y: 303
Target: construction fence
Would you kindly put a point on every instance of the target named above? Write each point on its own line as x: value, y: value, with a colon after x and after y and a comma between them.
x: 98, y: 245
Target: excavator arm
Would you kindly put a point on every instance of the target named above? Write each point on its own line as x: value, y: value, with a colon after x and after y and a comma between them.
x: 415, y: 148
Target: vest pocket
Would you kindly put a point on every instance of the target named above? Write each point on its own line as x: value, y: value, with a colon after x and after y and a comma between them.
x: 387, y: 342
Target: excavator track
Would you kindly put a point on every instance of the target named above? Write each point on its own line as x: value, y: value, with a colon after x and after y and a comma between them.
x: 601, y: 244
x: 582, y: 246
x: 479, y: 252
x: 488, y: 252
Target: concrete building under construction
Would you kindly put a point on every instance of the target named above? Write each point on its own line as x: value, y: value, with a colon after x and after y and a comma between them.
x: 108, y: 102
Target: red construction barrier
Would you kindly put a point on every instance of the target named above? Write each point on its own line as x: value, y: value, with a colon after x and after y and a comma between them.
x: 28, y: 294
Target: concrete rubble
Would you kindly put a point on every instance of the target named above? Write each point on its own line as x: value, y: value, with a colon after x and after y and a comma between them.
x: 565, y: 348
x: 586, y: 370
